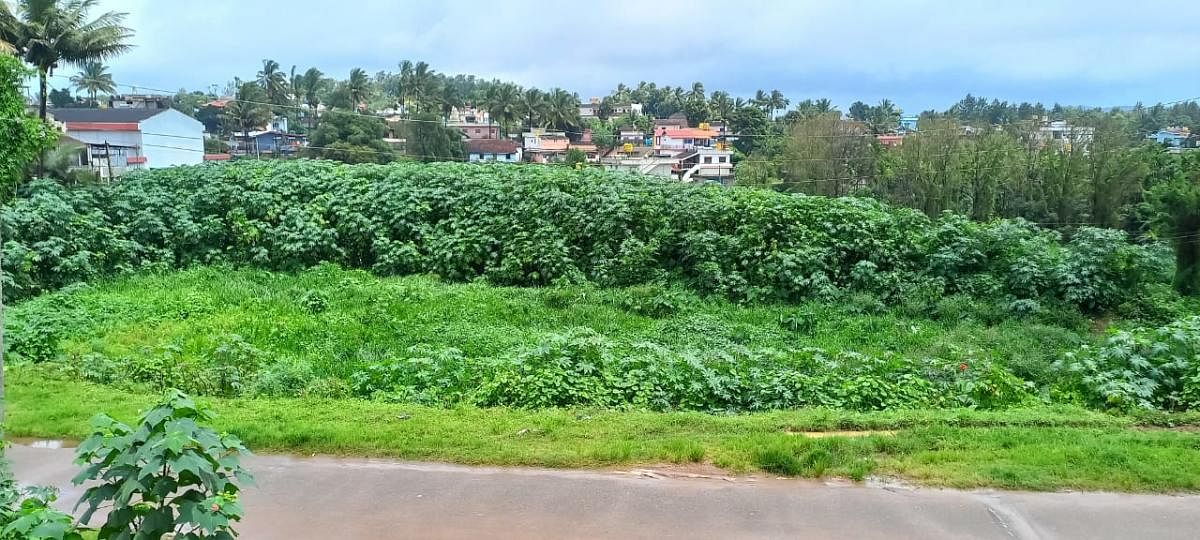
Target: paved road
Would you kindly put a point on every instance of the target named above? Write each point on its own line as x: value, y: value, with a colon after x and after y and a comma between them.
x: 325, y: 497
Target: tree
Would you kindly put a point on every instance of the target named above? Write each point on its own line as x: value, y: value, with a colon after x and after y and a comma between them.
x: 273, y: 82
x: 575, y: 158
x: 1173, y: 210
x: 603, y: 135
x: 429, y: 140
x: 351, y: 138
x: 247, y: 111
x: 47, y: 33
x: 359, y: 87
x: 884, y: 117
x: 697, y: 111
x: 826, y: 155
x: 502, y: 102
x: 859, y: 111
x: 311, y: 84
x: 450, y: 99
x: 93, y: 79
x: 562, y: 110
x: 533, y: 106
x: 62, y: 98
x: 776, y: 102
x: 721, y: 105
x: 22, y: 137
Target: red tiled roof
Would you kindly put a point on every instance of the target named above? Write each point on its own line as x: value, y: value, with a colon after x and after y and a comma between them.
x: 688, y: 133
x: 134, y: 160
x: 217, y: 157
x: 491, y: 146
x: 102, y: 126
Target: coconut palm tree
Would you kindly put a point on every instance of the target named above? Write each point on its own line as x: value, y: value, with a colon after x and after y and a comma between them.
x: 533, y: 105
x: 48, y: 33
x: 450, y: 99
x: 502, y: 102
x: 359, y: 86
x: 274, y: 82
x: 721, y: 105
x: 423, y: 85
x: 562, y: 109
x: 311, y: 84
x: 93, y: 79
x: 776, y: 102
x: 247, y: 111
x: 697, y: 91
x: 761, y: 100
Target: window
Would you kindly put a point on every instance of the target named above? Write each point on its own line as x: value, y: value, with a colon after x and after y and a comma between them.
x: 708, y: 159
x: 508, y: 157
x: 477, y: 131
x: 721, y: 159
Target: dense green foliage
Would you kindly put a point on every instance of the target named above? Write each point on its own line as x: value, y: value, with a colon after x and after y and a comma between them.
x: 1173, y: 207
x: 335, y: 333
x: 28, y: 515
x: 1148, y: 368
x: 531, y: 226
x: 22, y: 137
x: 169, y: 474
x: 350, y: 138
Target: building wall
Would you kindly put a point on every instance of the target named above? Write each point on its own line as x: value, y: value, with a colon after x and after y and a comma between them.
x: 480, y: 131
x: 183, y: 135
x: 515, y: 157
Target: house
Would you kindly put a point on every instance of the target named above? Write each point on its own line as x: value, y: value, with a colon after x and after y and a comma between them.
x: 1174, y: 137
x: 502, y: 150
x: 908, y: 124
x: 890, y: 140
x: 631, y: 109
x: 273, y: 140
x: 675, y: 139
x: 704, y: 164
x: 139, y: 101
x: 634, y: 137
x: 1061, y: 133
x: 677, y: 120
x: 119, y: 139
x: 545, y: 146
x: 474, y: 130
x: 267, y: 142
x: 589, y: 110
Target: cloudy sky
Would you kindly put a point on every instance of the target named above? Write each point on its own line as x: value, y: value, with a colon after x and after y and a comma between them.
x: 919, y: 53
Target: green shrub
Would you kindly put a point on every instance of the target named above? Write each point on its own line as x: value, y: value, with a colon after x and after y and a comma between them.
x: 285, y: 377
x: 1145, y: 368
x: 778, y: 459
x: 169, y: 474
x: 535, y: 225
x: 656, y: 301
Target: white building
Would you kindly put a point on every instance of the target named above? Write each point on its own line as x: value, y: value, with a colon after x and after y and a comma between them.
x: 502, y: 150
x: 117, y: 140
x: 1062, y: 133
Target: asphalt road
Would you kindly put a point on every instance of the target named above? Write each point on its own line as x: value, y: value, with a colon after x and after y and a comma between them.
x: 325, y: 497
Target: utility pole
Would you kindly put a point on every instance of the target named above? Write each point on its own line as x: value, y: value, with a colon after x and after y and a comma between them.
x: 108, y: 159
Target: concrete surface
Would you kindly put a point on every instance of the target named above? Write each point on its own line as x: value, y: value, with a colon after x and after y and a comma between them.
x: 325, y: 497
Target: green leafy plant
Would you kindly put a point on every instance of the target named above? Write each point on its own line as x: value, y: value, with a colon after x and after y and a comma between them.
x: 1143, y: 368
x: 169, y: 474
x: 33, y: 517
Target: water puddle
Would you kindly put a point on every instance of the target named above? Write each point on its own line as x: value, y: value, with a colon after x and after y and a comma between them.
x: 34, y: 442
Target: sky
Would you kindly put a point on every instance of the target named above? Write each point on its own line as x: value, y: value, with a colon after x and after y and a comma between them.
x: 921, y: 54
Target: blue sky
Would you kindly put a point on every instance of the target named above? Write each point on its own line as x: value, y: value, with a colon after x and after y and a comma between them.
x: 921, y: 54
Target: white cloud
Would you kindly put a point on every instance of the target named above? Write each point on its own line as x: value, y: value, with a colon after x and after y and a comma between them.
x: 923, y: 53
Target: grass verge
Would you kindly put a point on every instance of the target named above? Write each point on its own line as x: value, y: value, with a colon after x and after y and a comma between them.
x: 1036, y: 449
